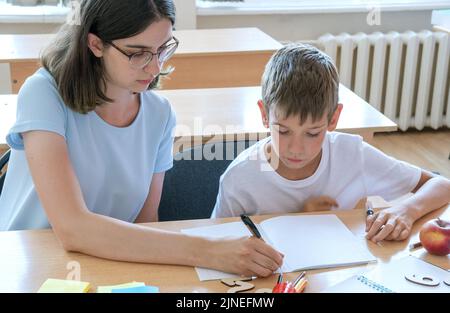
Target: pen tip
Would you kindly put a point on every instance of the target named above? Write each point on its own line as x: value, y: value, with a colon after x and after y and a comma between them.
x: 280, y: 277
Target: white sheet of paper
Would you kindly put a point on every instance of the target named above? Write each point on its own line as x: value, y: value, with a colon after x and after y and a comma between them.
x: 308, y: 242
x: 235, y: 229
x: 315, y: 241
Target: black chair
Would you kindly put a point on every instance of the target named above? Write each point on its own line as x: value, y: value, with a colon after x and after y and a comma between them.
x: 3, y: 161
x: 191, y: 186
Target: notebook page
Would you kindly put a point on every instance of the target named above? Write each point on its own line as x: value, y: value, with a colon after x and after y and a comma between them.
x: 390, y: 277
x: 356, y: 284
x: 234, y: 229
x: 315, y: 241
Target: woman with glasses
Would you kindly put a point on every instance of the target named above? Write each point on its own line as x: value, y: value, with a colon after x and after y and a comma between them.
x: 92, y: 142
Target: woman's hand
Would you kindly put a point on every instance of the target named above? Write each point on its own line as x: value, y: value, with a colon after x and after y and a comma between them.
x: 394, y: 223
x: 247, y: 256
x: 321, y: 203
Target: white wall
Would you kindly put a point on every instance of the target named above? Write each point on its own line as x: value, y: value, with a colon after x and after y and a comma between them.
x: 293, y: 27
x: 5, y: 83
x: 186, y: 14
x: 186, y: 19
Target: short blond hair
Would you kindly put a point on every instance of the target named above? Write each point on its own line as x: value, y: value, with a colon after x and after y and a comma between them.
x: 300, y: 80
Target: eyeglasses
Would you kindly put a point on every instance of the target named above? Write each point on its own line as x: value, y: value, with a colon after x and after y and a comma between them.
x: 141, y: 59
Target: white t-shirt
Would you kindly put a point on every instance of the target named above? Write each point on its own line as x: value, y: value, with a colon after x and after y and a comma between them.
x: 349, y: 170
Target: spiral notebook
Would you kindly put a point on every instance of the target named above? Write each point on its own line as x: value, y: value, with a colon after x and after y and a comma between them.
x: 308, y: 242
x: 392, y: 277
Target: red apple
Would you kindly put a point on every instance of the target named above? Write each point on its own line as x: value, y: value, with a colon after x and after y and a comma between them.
x: 435, y: 236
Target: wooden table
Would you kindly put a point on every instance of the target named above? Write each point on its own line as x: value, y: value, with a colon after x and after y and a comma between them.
x: 441, y: 29
x: 209, y: 115
x: 206, y: 58
x: 30, y: 257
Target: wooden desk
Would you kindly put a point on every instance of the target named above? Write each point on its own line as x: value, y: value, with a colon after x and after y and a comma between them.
x: 208, y: 115
x: 30, y: 257
x: 441, y: 29
x: 206, y: 58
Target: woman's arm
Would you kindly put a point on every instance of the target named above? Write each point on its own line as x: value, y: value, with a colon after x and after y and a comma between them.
x: 80, y: 230
x: 149, y: 212
x: 431, y: 193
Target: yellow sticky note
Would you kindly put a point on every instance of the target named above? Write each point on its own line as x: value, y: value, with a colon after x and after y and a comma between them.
x: 63, y: 286
x: 108, y: 289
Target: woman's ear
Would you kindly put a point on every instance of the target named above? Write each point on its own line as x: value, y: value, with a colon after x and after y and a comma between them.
x: 335, y: 118
x: 264, y: 116
x: 96, y: 45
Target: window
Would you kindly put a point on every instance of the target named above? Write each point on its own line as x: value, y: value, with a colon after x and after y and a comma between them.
x: 34, y: 2
x: 33, y: 11
x: 313, y: 6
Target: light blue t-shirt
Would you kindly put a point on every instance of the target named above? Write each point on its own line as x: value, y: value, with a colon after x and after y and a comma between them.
x: 114, y: 165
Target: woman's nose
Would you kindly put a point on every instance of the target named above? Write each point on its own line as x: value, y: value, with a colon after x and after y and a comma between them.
x: 154, y: 67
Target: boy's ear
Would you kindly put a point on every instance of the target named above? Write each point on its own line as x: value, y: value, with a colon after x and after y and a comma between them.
x: 335, y: 119
x: 264, y: 116
x: 95, y: 44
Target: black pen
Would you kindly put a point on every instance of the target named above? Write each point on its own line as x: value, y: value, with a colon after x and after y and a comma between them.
x: 369, y: 208
x: 251, y: 226
x: 254, y: 230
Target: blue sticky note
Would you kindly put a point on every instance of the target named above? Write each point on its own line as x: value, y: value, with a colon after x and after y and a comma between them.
x: 140, y: 289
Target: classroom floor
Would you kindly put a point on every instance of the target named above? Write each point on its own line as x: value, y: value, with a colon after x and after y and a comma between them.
x: 429, y: 149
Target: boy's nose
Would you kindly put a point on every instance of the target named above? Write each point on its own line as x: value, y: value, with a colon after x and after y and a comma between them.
x: 296, y: 147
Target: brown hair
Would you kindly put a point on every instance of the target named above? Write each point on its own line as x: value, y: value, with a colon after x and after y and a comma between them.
x: 79, y: 74
x: 300, y: 80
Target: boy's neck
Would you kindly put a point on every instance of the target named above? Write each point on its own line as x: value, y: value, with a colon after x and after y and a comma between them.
x: 289, y: 173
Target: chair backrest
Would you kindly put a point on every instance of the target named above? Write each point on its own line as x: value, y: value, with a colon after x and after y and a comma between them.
x: 191, y: 186
x: 3, y: 161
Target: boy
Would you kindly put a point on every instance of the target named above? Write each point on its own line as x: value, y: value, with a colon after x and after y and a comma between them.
x: 304, y: 163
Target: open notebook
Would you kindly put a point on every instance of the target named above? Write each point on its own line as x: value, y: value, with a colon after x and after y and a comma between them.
x: 308, y: 242
x: 391, y: 277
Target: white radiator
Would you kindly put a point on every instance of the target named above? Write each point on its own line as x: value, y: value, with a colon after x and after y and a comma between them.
x: 405, y: 76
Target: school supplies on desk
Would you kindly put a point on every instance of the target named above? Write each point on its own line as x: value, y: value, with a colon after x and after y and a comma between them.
x: 300, y: 282
x: 408, y: 274
x: 63, y: 286
x: 415, y: 245
x: 296, y: 286
x: 139, y: 289
x: 308, y: 242
x: 109, y: 289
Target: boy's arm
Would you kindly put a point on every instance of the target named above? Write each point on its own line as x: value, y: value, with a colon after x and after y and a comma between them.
x: 320, y: 203
x: 395, y: 223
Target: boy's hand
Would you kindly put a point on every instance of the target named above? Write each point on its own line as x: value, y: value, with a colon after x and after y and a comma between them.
x: 248, y: 256
x: 321, y: 203
x: 394, y: 223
